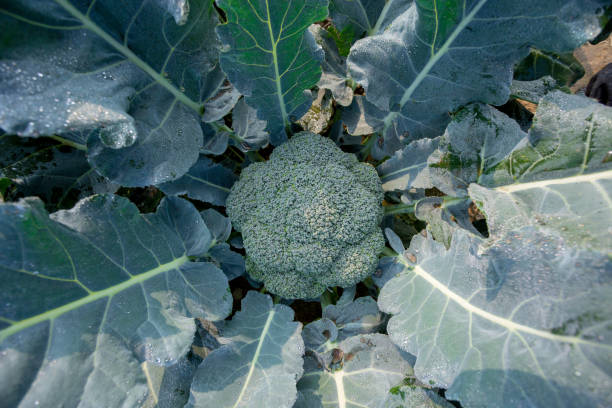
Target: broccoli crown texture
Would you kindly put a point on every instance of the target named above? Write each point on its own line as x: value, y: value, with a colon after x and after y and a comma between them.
x: 309, y: 217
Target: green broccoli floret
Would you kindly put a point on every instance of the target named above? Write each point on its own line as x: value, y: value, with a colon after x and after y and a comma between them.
x: 309, y: 217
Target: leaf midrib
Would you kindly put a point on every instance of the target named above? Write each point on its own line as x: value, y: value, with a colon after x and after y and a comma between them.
x: 277, y: 79
x: 262, y: 337
x: 92, y: 297
x: 583, y: 178
x: 432, y: 62
x: 500, y: 321
x: 130, y: 55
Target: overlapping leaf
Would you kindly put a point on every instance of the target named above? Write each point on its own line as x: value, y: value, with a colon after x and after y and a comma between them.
x: 341, y: 321
x: 169, y: 386
x: 437, y: 56
x: 408, y: 396
x: 368, y: 17
x: 335, y: 72
x: 364, y: 369
x: 259, y: 365
x: 444, y: 217
x: 57, y: 173
x: 249, y: 131
x: 205, y: 181
x: 520, y: 320
x: 571, y: 135
x: 232, y: 263
x: 271, y: 58
x: 564, y: 68
x: 90, y: 293
x: 75, y: 65
x: 408, y: 168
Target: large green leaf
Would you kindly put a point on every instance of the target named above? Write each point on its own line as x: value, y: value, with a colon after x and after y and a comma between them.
x: 271, y: 58
x: 122, y: 68
x: 571, y: 135
x: 519, y: 320
x: 259, y: 365
x: 169, y: 386
x: 578, y: 209
x: 438, y: 55
x: 90, y: 293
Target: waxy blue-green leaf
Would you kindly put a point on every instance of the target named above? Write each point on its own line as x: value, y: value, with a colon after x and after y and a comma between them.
x: 444, y: 217
x: 521, y: 319
x: 571, y: 135
x: 363, y: 369
x: 356, y: 317
x: 339, y: 322
x: 90, y: 293
x: 368, y: 17
x: 259, y: 365
x: 533, y: 91
x: 409, y: 396
x: 216, y: 138
x: 343, y: 320
x: 221, y: 98
x: 562, y: 160
x: 437, y: 56
x: 169, y: 386
x: 49, y: 169
x: 232, y: 263
x: 575, y: 208
x: 123, y: 69
x: 475, y: 149
x: 395, y: 242
x: 408, y: 168
x: 206, y: 181
x: 271, y: 58
x: 165, y: 151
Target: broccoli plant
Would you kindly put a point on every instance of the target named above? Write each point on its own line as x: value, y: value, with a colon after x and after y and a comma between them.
x: 309, y: 217
x: 296, y: 204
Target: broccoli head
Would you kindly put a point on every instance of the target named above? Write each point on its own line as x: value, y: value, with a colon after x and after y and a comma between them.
x: 309, y: 217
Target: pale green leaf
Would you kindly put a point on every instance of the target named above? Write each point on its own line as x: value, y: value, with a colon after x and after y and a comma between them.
x: 365, y: 368
x: 259, y: 365
x: 90, y: 293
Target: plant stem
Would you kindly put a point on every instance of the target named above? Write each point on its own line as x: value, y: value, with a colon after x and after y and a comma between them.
x: 69, y: 143
x: 399, y: 209
x: 388, y: 252
x: 255, y: 156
